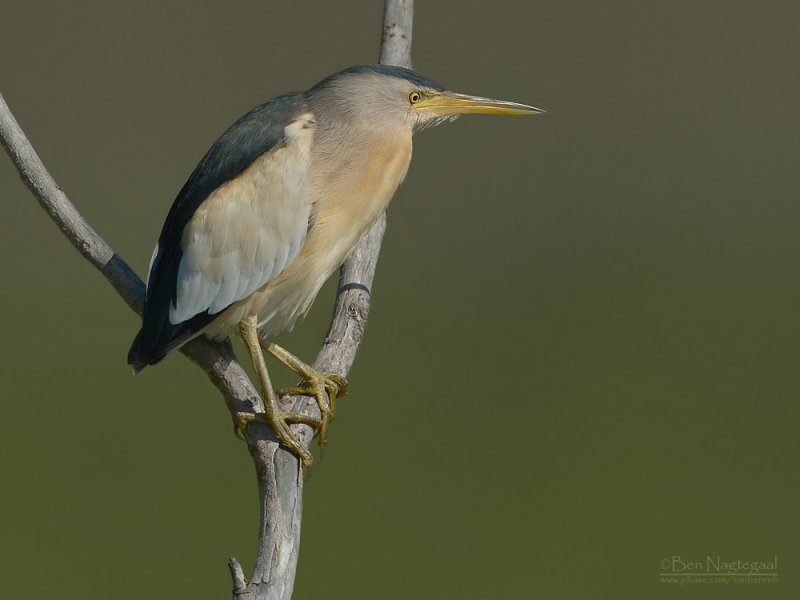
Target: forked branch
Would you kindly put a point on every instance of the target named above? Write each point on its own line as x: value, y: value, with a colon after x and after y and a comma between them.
x: 280, y: 480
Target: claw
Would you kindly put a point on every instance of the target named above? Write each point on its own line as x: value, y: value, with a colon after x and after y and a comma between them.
x: 338, y: 381
x: 280, y: 425
x: 273, y: 415
x: 324, y: 388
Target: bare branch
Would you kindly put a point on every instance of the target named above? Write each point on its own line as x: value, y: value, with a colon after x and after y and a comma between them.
x: 398, y: 22
x: 280, y: 483
x: 53, y: 199
x: 280, y: 480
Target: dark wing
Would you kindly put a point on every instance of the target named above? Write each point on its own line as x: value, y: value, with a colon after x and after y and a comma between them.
x: 256, y: 133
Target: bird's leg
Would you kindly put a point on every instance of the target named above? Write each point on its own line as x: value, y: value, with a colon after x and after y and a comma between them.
x: 273, y: 415
x: 323, y: 387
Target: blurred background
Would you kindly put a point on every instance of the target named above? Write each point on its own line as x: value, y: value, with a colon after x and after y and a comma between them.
x: 583, y: 347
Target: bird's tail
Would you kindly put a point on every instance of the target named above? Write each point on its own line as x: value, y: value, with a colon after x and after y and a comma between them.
x: 141, y: 353
x: 157, y: 338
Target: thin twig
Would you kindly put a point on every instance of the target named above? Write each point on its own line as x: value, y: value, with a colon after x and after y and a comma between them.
x: 280, y: 481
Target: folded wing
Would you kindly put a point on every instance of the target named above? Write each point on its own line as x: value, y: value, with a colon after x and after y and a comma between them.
x: 237, y: 223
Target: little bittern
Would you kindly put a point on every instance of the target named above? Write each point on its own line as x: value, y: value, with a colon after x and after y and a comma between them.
x: 274, y: 208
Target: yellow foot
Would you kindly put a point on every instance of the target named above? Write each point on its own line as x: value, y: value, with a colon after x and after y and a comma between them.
x: 324, y: 388
x: 279, y: 421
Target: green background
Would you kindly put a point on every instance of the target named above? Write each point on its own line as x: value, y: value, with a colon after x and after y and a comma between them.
x: 582, y: 356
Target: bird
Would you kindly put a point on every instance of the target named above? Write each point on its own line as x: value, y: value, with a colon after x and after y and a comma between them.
x: 274, y: 208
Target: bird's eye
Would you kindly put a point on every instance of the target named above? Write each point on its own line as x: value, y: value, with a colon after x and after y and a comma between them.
x: 414, y: 97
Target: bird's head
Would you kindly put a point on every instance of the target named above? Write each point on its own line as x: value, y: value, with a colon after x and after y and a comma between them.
x: 383, y: 96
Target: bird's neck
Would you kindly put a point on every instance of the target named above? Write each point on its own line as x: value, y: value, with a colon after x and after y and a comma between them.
x: 353, y: 176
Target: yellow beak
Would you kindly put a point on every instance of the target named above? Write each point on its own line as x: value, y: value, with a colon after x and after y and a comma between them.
x: 450, y: 103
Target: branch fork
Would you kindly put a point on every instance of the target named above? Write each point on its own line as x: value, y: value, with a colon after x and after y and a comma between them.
x: 280, y: 480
